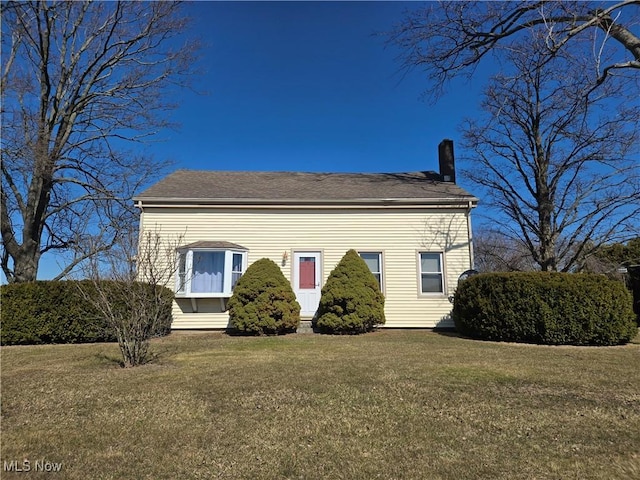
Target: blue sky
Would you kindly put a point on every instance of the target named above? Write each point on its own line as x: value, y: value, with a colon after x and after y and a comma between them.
x: 305, y: 86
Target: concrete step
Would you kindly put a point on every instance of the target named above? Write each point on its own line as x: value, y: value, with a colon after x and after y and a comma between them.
x: 305, y: 327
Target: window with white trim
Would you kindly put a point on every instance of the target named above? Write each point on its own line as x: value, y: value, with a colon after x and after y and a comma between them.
x: 209, y: 272
x: 236, y: 268
x: 431, y: 275
x: 374, y: 262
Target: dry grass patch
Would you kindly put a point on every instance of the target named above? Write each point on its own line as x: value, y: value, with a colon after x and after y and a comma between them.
x: 392, y: 404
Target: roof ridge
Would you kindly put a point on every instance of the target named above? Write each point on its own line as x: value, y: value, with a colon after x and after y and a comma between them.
x: 299, y: 172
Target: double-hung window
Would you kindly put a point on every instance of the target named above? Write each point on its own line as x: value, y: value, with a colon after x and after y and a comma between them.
x: 209, y: 269
x: 237, y: 267
x: 374, y: 262
x: 431, y: 276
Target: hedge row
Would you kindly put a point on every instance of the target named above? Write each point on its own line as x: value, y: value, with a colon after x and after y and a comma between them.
x: 545, y: 308
x: 56, y: 312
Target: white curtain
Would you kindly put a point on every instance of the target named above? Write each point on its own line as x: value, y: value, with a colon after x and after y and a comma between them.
x: 208, y: 272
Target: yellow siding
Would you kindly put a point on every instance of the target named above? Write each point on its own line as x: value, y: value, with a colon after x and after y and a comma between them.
x: 399, y: 234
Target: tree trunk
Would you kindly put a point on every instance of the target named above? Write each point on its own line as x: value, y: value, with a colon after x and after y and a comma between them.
x: 544, y: 197
x: 25, y: 263
x: 547, y: 249
x: 25, y: 256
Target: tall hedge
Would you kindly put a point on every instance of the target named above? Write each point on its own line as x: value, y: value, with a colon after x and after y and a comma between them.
x: 351, y: 300
x: 544, y: 308
x: 263, y: 302
x: 56, y: 312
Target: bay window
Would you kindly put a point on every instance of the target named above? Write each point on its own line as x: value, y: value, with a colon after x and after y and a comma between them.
x: 209, y: 269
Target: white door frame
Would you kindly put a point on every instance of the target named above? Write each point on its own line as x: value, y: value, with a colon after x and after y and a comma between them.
x: 307, y: 298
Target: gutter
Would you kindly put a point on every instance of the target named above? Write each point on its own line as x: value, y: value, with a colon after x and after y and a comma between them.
x: 460, y: 202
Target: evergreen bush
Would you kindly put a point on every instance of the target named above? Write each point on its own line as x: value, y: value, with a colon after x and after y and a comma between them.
x: 56, y: 312
x: 263, y: 302
x: 351, y: 300
x: 544, y: 308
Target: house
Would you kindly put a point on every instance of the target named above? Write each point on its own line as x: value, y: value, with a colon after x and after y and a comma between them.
x: 412, y: 229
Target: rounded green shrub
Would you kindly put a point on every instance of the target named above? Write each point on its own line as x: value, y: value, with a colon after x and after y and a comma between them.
x: 263, y: 302
x: 351, y: 300
x: 56, y: 312
x: 544, y: 308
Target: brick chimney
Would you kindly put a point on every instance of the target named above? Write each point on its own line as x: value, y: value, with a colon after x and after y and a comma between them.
x: 447, y: 162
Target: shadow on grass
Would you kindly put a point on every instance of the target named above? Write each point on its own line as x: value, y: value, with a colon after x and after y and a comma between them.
x: 153, y: 358
x: 448, y: 332
x: 111, y: 360
x: 453, y: 333
x: 234, y: 332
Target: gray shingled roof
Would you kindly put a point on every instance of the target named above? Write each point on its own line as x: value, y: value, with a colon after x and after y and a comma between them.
x: 214, y: 244
x: 216, y: 186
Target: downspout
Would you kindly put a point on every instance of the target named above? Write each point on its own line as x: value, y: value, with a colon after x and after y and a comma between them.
x: 139, y: 205
x: 140, y: 229
x: 141, y: 220
x: 470, y: 236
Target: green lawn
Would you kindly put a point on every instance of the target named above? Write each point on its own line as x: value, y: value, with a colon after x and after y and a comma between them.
x: 389, y: 405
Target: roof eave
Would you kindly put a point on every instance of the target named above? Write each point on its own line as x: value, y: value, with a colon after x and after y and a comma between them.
x: 181, y: 201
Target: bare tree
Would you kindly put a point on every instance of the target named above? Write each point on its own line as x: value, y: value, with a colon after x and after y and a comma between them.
x: 496, y: 252
x: 447, y: 39
x: 130, y: 289
x: 80, y: 82
x: 558, y: 167
x: 555, y: 148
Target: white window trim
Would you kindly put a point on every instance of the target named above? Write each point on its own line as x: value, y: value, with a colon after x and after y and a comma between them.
x: 228, y: 271
x: 441, y: 273
x: 380, y: 254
